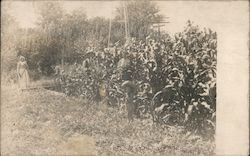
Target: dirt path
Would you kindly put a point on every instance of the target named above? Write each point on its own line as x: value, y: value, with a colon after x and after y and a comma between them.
x: 43, y: 122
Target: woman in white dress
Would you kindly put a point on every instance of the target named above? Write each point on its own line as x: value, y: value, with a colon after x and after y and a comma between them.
x: 22, y: 72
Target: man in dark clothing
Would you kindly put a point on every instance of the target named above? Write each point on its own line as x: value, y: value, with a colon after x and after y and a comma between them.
x: 128, y: 85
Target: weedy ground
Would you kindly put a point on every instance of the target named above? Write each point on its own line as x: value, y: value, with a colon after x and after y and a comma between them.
x: 44, y: 122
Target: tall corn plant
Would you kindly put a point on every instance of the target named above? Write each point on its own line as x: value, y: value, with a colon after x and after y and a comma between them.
x: 189, y: 96
x: 182, y: 76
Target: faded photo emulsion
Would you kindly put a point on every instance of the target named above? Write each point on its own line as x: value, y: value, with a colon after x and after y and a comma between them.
x: 124, y: 78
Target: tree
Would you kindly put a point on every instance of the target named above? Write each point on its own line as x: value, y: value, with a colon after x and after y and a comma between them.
x: 140, y: 15
x: 9, y: 27
x: 50, y: 13
x: 99, y: 30
x: 50, y: 27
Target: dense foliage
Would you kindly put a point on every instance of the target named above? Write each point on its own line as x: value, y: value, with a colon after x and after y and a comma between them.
x: 62, y: 37
x: 169, y: 78
x: 8, y: 52
x: 172, y: 78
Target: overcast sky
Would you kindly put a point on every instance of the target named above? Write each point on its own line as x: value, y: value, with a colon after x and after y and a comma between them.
x: 203, y: 13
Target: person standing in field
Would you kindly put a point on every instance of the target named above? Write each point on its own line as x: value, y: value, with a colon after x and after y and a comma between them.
x: 128, y: 84
x: 22, y: 73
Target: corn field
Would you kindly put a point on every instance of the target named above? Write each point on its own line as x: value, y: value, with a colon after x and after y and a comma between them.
x: 170, y: 79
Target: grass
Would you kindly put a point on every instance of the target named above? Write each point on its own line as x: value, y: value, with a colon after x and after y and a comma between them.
x: 50, y: 123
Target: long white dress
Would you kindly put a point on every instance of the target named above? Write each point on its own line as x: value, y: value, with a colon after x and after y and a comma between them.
x: 23, y: 75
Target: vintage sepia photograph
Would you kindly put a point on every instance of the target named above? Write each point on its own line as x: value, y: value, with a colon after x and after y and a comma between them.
x: 104, y: 78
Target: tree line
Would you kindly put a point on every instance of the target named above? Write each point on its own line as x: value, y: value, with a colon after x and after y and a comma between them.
x: 61, y: 37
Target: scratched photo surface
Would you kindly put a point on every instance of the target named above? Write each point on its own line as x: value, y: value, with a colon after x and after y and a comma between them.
x: 124, y: 78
